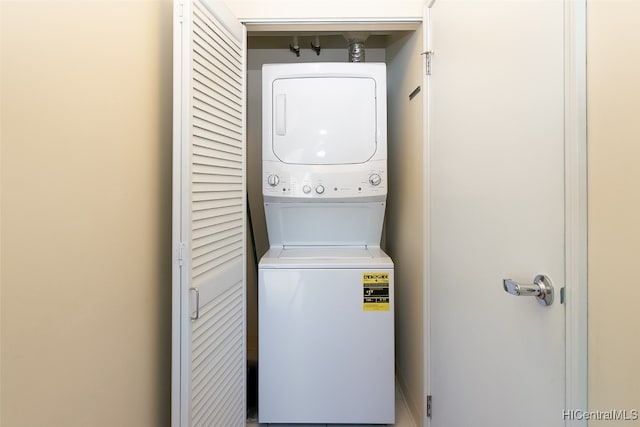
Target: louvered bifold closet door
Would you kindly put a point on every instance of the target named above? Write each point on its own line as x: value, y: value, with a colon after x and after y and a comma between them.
x: 215, y: 252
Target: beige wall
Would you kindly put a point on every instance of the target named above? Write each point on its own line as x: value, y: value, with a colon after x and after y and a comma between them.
x: 86, y: 213
x: 614, y: 204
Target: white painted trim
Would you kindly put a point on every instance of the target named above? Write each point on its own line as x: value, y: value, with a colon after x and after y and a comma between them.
x: 576, y: 333
x: 180, y: 69
x: 321, y: 21
x: 184, y: 283
x: 244, y: 217
x: 426, y: 34
x: 336, y: 24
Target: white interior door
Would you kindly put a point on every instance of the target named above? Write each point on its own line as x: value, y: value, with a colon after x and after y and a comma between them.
x: 496, y: 167
x: 209, y: 357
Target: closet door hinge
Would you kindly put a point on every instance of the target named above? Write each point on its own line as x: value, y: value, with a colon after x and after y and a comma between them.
x: 181, y: 250
x: 429, y: 406
x: 180, y: 9
x: 428, y: 55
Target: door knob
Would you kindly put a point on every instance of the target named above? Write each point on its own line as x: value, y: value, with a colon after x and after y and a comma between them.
x: 541, y: 288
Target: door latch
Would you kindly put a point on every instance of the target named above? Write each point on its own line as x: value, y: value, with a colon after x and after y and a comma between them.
x: 541, y: 288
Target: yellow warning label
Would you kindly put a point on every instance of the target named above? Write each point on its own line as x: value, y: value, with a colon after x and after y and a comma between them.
x: 375, y: 291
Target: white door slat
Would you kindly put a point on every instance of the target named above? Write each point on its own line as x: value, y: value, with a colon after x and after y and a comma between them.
x: 213, y: 60
x: 207, y: 355
x: 214, y: 203
x: 213, y: 248
x: 202, y: 217
x: 215, y: 316
x: 214, y: 227
x: 203, y: 189
x: 218, y: 125
x: 211, y: 240
x: 207, y: 271
x: 213, y: 96
x: 219, y: 415
x: 213, y: 171
x: 213, y: 77
x: 205, y: 196
x: 207, y: 157
x: 216, y: 150
x: 213, y: 156
x: 215, y: 139
x: 216, y: 179
x: 203, y: 225
x: 231, y: 45
x: 207, y: 82
x: 215, y: 258
x: 216, y: 344
x: 201, y: 105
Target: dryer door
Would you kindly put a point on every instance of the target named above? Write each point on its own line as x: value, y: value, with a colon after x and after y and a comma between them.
x: 324, y: 120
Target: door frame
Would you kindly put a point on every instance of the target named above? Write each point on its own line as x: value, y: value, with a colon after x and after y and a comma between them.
x: 576, y: 215
x: 575, y: 182
x: 412, y: 23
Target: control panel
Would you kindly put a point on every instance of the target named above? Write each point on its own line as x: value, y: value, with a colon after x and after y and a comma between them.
x: 279, y: 181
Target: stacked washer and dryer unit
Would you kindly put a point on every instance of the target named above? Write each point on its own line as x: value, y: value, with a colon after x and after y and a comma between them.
x: 326, y: 291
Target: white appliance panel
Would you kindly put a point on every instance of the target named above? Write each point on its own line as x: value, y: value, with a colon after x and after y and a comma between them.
x: 357, y: 183
x: 323, y: 358
x: 324, y: 120
x: 301, y: 100
x: 324, y: 224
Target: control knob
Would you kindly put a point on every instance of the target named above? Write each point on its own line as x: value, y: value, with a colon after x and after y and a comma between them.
x: 273, y: 180
x: 375, y: 179
x: 320, y: 189
x: 306, y: 189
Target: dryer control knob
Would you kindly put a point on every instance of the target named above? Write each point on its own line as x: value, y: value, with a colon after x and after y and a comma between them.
x: 320, y: 189
x: 306, y: 189
x: 273, y: 180
x: 375, y: 179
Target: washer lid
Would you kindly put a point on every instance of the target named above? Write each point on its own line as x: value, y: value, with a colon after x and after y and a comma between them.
x: 324, y: 120
x: 323, y: 253
x: 339, y: 257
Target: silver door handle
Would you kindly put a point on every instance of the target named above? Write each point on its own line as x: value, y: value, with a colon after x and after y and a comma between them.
x: 541, y: 288
x: 197, y: 294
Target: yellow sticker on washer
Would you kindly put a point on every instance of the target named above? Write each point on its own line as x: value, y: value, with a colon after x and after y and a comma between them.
x: 375, y: 291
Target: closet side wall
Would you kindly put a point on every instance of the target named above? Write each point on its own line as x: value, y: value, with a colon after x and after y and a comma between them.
x: 405, y: 232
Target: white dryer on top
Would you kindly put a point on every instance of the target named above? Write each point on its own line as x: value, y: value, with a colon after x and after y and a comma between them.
x: 324, y: 153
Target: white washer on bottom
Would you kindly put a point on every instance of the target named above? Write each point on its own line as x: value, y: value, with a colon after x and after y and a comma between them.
x: 326, y: 336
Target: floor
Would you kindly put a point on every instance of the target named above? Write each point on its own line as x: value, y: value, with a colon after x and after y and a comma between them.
x: 403, y: 417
